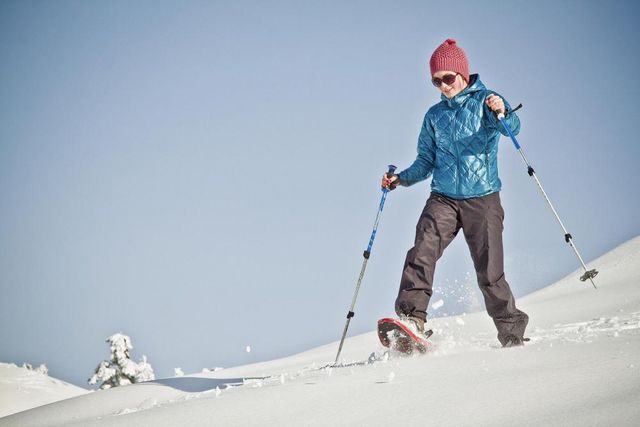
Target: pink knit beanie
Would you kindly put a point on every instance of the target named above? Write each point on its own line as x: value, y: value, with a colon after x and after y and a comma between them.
x: 449, y: 57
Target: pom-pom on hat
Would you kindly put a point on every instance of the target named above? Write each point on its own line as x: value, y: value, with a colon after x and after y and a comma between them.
x: 449, y: 57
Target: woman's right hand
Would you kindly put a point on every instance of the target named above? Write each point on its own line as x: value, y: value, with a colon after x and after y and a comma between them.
x: 390, y: 181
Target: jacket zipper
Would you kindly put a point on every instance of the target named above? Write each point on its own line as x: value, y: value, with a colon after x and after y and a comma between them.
x: 457, y: 149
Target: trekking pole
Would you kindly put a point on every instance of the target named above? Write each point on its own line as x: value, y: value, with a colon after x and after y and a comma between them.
x: 367, y: 254
x: 588, y: 274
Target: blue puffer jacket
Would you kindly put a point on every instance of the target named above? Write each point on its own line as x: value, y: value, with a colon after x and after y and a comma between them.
x: 458, y: 143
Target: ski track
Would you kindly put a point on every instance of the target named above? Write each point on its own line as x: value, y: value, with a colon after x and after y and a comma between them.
x: 586, y: 331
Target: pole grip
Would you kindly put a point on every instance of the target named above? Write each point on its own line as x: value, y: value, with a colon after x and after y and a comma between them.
x: 501, y: 114
x: 391, y: 171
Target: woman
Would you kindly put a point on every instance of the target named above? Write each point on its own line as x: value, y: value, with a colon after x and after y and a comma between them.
x: 458, y: 145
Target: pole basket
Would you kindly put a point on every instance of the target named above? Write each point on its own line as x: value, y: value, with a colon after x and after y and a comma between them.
x: 589, y: 275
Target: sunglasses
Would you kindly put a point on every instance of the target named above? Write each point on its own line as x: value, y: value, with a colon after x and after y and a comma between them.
x: 447, y: 79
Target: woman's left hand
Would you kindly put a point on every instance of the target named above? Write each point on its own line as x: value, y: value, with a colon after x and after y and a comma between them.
x: 495, y: 103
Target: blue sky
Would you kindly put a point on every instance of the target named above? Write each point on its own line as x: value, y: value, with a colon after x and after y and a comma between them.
x: 204, y: 175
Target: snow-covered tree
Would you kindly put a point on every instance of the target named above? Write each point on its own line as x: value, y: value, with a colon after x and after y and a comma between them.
x: 120, y: 369
x: 42, y: 369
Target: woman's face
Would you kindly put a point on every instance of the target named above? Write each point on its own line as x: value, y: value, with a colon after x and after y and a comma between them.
x: 450, y: 90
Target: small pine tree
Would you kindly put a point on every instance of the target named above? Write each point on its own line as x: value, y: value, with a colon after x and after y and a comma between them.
x: 120, y: 369
x: 42, y: 369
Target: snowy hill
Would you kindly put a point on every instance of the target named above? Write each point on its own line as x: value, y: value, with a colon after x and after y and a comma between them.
x: 582, y: 367
x: 22, y: 389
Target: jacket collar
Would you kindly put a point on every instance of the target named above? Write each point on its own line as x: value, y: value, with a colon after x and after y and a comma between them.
x: 474, y: 85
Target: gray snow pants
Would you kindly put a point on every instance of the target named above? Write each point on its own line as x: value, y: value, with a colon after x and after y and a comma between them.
x: 481, y: 221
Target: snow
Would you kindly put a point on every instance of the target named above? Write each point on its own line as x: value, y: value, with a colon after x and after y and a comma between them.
x: 22, y: 388
x: 436, y: 305
x: 580, y: 368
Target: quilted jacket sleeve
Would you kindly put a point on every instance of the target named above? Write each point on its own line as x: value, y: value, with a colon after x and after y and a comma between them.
x: 422, y: 167
x: 511, y: 118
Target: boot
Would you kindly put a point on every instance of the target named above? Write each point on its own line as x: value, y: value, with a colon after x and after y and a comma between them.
x: 415, y: 322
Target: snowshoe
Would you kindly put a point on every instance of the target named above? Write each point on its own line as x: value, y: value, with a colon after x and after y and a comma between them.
x: 403, y: 336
